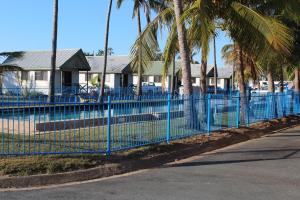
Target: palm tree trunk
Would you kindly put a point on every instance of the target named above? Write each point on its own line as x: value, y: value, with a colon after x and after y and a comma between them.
x: 281, y: 86
x: 241, y: 76
x: 189, y: 104
x: 173, y: 77
x: 1, y: 82
x: 296, y: 81
x: 242, y: 85
x: 183, y: 49
x: 215, y: 66
x: 203, y: 104
x: 139, y: 83
x: 105, y: 51
x: 271, y: 87
x: 53, y: 55
x: 203, y: 70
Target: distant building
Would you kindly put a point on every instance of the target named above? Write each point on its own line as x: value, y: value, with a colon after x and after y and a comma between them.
x: 224, y: 76
x: 118, y: 71
x: 153, y: 74
x: 35, y: 71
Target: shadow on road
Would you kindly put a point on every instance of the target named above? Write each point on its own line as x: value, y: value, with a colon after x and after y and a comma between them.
x: 247, y: 155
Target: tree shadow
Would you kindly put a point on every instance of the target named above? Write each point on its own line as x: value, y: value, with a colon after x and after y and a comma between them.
x: 265, y: 154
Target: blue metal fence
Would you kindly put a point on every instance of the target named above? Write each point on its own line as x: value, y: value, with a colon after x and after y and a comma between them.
x: 30, y: 125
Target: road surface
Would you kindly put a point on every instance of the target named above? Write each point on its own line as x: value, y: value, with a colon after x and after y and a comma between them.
x: 267, y: 168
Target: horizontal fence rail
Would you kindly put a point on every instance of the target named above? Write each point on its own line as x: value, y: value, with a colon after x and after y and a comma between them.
x: 30, y: 125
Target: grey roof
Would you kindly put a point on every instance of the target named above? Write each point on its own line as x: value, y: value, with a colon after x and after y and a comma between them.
x: 68, y: 59
x: 223, y: 72
x: 115, y: 64
x: 155, y: 68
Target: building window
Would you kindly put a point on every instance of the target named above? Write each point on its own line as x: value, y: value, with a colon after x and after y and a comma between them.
x: 157, y: 79
x: 145, y: 78
x: 24, y: 75
x: 212, y: 81
x: 41, y: 76
x: 193, y: 80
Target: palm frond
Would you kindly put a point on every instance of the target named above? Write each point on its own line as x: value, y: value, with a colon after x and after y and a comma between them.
x: 276, y: 34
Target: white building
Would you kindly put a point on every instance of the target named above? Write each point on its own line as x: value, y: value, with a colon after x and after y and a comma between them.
x: 224, y: 76
x: 35, y: 71
x: 153, y: 74
x: 118, y: 71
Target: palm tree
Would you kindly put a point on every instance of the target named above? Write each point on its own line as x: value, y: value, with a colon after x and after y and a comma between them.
x: 254, y: 33
x: 105, y: 51
x: 147, y: 5
x: 51, y: 97
x: 183, y: 49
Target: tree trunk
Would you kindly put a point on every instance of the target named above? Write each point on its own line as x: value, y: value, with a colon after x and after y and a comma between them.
x: 105, y: 52
x: 271, y: 87
x: 215, y: 66
x: 203, y: 70
x: 1, y: 82
x: 51, y: 93
x: 241, y: 76
x: 183, y: 49
x: 190, y: 103
x: 139, y: 82
x: 173, y: 77
x: 281, y: 86
x: 233, y: 69
x: 203, y: 103
x: 242, y: 86
x: 296, y: 81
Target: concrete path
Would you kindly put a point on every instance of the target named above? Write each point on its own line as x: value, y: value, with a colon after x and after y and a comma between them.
x: 262, y: 169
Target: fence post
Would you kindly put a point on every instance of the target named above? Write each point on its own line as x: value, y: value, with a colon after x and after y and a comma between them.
x: 108, y: 150
x: 237, y: 119
x: 208, y: 112
x: 248, y: 109
x: 267, y: 106
x: 283, y: 102
x: 169, y: 119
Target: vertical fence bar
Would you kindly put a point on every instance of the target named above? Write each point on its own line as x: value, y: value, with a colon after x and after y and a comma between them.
x: 267, y: 106
x: 237, y: 119
x: 237, y: 116
x: 169, y: 119
x: 108, y: 139
x: 248, y: 110
x: 208, y: 112
x: 283, y: 102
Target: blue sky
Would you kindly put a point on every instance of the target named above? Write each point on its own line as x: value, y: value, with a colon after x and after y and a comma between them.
x: 27, y: 25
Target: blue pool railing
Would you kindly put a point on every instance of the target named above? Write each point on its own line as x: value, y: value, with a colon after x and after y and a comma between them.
x: 30, y: 125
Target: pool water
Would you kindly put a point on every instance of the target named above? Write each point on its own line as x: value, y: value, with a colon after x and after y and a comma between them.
x: 68, y: 113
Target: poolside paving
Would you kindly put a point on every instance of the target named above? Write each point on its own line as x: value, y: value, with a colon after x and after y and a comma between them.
x: 267, y: 168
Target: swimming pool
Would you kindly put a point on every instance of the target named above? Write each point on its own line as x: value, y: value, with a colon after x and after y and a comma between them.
x: 76, y: 112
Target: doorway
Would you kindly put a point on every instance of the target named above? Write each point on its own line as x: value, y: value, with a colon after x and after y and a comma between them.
x: 67, y: 78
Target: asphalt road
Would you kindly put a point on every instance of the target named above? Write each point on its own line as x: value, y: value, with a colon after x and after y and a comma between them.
x: 266, y: 169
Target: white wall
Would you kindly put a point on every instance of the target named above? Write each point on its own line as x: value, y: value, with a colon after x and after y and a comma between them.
x: 12, y: 80
x: 110, y: 80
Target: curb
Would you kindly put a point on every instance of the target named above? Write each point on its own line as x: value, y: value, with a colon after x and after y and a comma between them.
x: 139, y: 164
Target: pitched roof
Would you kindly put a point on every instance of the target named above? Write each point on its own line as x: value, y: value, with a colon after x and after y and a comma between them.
x: 68, y: 59
x: 155, y: 68
x: 115, y: 64
x: 223, y: 72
